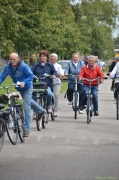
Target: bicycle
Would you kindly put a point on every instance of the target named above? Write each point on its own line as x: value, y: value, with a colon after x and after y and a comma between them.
x: 89, y: 106
x: 40, y: 90
x: 75, y: 102
x: 14, y: 126
x: 117, y: 100
x: 3, y: 118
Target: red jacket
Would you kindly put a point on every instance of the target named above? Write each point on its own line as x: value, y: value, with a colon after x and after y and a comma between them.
x: 91, y: 73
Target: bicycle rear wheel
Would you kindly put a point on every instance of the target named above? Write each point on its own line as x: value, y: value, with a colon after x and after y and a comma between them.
x: 39, y: 123
x: 117, y: 106
x: 2, y: 134
x: 20, y: 124
x: 12, y: 129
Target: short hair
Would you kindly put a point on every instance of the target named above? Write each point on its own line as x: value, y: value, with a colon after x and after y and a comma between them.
x: 75, y: 54
x: 55, y: 55
x: 44, y: 52
x: 91, y: 56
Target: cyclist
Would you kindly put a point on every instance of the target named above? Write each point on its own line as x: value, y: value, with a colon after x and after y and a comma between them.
x: 97, y: 62
x: 85, y: 59
x: 91, y: 71
x: 111, y: 67
x: 114, y: 72
x: 56, y: 81
x: 41, y: 67
x: 74, y: 67
x: 21, y: 72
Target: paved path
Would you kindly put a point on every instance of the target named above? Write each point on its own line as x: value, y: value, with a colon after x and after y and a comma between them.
x: 68, y: 149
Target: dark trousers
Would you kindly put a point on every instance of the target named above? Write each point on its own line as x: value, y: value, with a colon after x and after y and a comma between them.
x: 116, y: 89
x: 71, y: 88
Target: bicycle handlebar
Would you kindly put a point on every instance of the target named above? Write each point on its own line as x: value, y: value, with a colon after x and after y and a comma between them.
x: 43, y: 76
x: 90, y: 80
x: 8, y: 87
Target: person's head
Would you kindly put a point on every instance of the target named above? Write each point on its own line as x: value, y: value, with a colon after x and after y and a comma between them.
x: 53, y: 58
x: 85, y: 58
x: 14, y: 59
x: 91, y: 60
x: 43, y: 56
x: 96, y: 58
x: 76, y: 57
x: 117, y: 59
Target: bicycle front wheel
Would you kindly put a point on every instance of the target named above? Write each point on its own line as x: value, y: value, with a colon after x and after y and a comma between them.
x: 2, y: 134
x: 12, y: 130
x: 20, y: 124
x: 75, y: 104
x: 88, y: 110
x: 117, y: 107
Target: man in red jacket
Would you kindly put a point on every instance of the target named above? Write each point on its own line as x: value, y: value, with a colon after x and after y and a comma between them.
x: 91, y: 71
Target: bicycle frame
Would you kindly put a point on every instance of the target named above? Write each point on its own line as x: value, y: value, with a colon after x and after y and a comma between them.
x: 89, y: 107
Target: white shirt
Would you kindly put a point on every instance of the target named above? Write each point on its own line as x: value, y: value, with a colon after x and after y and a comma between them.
x: 115, y: 72
x: 59, y: 70
x: 75, y: 63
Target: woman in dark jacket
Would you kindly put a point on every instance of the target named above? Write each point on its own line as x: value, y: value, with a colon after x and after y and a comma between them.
x: 41, y: 67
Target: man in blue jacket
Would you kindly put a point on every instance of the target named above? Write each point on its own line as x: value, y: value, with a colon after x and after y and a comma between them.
x: 21, y: 72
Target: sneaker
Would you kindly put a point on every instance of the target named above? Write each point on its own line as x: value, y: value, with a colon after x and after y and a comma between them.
x: 70, y: 102
x: 41, y: 115
x: 80, y: 111
x: 25, y: 133
x: 96, y: 113
x: 49, y: 108
x: 55, y: 113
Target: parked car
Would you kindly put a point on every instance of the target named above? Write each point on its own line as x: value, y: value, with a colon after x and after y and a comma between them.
x: 63, y: 63
x: 102, y: 64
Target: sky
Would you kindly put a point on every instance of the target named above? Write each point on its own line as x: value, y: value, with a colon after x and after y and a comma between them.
x: 116, y: 32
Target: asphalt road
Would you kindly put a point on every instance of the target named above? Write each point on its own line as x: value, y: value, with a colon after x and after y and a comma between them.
x: 68, y: 149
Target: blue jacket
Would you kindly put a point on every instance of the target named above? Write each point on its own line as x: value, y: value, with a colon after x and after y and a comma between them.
x: 38, y: 69
x: 22, y: 73
x: 72, y: 69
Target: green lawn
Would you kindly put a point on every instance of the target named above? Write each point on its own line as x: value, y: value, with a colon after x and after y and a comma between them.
x: 64, y: 87
x: 7, y: 82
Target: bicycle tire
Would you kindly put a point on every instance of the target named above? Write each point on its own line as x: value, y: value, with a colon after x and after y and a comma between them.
x: 117, y: 106
x: 88, y: 110
x: 12, y: 130
x: 20, y: 123
x: 39, y: 123
x: 2, y: 134
x: 52, y: 116
x: 75, y: 107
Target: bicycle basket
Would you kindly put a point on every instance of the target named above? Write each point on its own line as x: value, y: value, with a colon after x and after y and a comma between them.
x: 3, y: 98
x: 40, y: 85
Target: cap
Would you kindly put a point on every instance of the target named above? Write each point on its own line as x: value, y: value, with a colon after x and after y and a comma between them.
x: 86, y: 57
x: 117, y: 58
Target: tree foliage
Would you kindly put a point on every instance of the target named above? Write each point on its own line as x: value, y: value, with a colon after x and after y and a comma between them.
x: 60, y: 26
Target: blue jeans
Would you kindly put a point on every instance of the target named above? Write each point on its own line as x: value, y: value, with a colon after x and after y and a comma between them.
x: 49, y: 96
x: 71, y: 88
x: 94, y: 92
x: 28, y: 104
